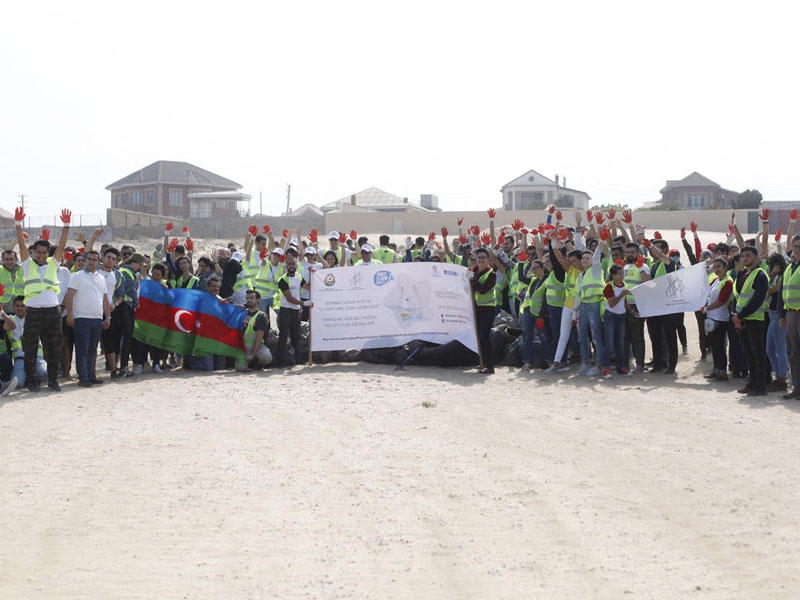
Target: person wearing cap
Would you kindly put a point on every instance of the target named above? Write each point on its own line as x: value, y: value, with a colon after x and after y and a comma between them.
x: 333, y: 243
x: 43, y: 313
x: 366, y: 257
x: 230, y: 272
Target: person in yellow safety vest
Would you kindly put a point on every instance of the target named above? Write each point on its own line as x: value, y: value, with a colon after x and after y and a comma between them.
x: 383, y: 253
x: 266, y: 280
x: 636, y: 272
x: 662, y: 328
x: 531, y: 311
x: 289, y: 314
x: 43, y: 312
x: 15, y: 334
x: 748, y: 314
x: 569, y: 268
x: 588, y: 304
x: 335, y: 246
x: 367, y: 259
x: 791, y: 304
x: 483, y: 281
x: 8, y: 383
x: 256, y: 329
x: 11, y: 279
x: 186, y: 279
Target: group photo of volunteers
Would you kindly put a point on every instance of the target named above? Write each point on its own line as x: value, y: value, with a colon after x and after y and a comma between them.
x: 569, y: 297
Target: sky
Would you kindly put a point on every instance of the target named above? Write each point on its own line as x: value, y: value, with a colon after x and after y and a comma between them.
x: 447, y: 98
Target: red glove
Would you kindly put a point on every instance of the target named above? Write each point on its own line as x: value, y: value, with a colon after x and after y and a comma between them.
x: 778, y: 235
x: 693, y: 226
x: 605, y: 233
x: 189, y: 244
x: 517, y: 224
x: 45, y: 233
x: 539, y: 323
x: 563, y: 233
x: 19, y: 214
x: 657, y: 235
x: 444, y: 232
x: 353, y: 235
x: 173, y: 243
x: 598, y: 216
x: 342, y: 238
x: 486, y: 239
x: 764, y: 216
x: 266, y: 229
x: 283, y: 258
x: 640, y: 261
x: 2, y: 290
x: 68, y: 255
x: 285, y: 233
x: 462, y: 238
x: 559, y: 216
x: 646, y: 243
x: 492, y: 212
x: 25, y: 234
x: 627, y: 216
x: 81, y: 250
x: 313, y: 235
x: 66, y: 216
x: 620, y: 262
x: 551, y: 209
x: 589, y: 215
x: 431, y: 236
x: 524, y: 231
x: 263, y: 253
x: 611, y: 213
x: 522, y: 256
x: 535, y: 232
x: 253, y: 230
x: 732, y: 229
x: 683, y: 233
x: 501, y: 238
x: 794, y: 214
x: 185, y: 231
x: 460, y: 221
x: 474, y: 230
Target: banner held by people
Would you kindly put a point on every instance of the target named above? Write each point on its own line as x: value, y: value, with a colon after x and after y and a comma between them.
x: 684, y: 290
x: 188, y: 321
x: 383, y: 306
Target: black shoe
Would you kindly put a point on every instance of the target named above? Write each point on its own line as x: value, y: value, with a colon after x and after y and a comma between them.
x: 669, y: 371
x: 793, y: 395
x: 54, y: 385
x: 118, y: 374
x: 711, y: 375
x: 757, y: 392
x: 745, y: 390
x: 34, y: 386
x: 84, y: 383
x: 487, y: 371
x: 656, y: 369
x: 95, y: 381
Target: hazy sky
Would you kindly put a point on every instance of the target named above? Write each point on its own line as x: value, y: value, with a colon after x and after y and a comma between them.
x: 449, y: 98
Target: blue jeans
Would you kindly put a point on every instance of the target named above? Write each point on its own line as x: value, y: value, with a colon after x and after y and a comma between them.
x: 776, y: 346
x: 589, y: 321
x: 40, y: 370
x: 87, y: 336
x: 614, y: 330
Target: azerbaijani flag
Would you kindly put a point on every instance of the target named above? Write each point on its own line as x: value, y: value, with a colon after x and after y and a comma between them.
x: 188, y: 321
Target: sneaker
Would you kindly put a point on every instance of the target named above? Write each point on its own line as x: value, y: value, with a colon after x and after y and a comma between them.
x: 137, y: 370
x: 131, y: 373
x: 157, y: 368
x: 638, y: 370
x: 553, y: 368
x: 34, y: 386
x: 9, y: 386
x: 526, y: 366
x: 118, y: 374
x: 607, y: 374
x: 584, y: 369
x: 95, y: 381
x: 563, y: 369
x: 593, y: 372
x: 84, y: 383
x: 54, y: 385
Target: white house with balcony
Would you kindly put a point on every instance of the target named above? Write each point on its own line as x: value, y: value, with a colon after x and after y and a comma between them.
x: 534, y: 191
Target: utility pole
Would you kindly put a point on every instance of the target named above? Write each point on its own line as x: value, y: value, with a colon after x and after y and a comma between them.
x: 260, y: 203
x: 22, y: 200
x: 288, y: 196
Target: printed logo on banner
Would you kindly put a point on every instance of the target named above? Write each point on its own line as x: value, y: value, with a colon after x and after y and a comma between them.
x: 382, y: 277
x: 435, y: 271
x: 450, y: 273
x: 355, y: 280
x: 329, y: 280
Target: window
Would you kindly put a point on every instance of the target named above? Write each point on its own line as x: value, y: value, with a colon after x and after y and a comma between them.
x: 176, y: 197
x: 117, y: 200
x: 696, y: 201
x: 220, y: 204
x: 531, y: 201
x: 136, y: 198
x: 150, y: 197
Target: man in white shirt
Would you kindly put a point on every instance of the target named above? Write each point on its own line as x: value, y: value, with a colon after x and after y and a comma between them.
x: 88, y: 312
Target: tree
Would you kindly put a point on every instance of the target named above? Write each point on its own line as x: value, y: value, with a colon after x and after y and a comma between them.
x: 749, y: 199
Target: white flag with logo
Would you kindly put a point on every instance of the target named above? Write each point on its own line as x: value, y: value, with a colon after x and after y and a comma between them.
x: 684, y: 290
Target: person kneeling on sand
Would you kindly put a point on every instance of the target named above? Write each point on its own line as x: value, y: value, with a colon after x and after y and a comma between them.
x: 256, y: 328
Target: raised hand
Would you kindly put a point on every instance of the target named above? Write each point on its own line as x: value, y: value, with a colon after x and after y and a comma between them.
x: 173, y: 243
x: 522, y: 256
x: 460, y: 221
x: 353, y: 235
x: 68, y: 255
x: 551, y: 209
x: 185, y: 230
x: 492, y: 212
x: 169, y: 227
x: 764, y: 216
x: 524, y: 231
x: 45, y: 233
x: 563, y: 233
x: 266, y: 229
x: 657, y: 235
x: 605, y: 233
x: 285, y: 233
x: 589, y: 215
x: 19, y: 214
x: 444, y: 232
x: 778, y: 235
x: 342, y: 237
x: 431, y: 236
x: 262, y: 254
x: 640, y: 260
x: 474, y: 230
x: 517, y: 224
x: 486, y: 239
x: 683, y: 233
x: 794, y: 214
x: 598, y: 216
x: 647, y: 243
x: 313, y: 235
x: 559, y: 216
x: 253, y: 230
x: 611, y: 213
x: 501, y: 238
x: 462, y: 238
x: 627, y: 216
x: 189, y: 244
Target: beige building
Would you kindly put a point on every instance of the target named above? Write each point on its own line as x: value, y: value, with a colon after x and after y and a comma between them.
x: 695, y: 192
x: 534, y: 191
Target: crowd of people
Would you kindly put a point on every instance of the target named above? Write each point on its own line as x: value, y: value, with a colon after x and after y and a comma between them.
x: 570, y: 287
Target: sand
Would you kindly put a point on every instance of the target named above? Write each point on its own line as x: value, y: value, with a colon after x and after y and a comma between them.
x: 360, y: 481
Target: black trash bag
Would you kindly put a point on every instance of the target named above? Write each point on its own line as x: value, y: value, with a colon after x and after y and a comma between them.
x: 504, y: 318
x: 321, y: 357
x: 451, y: 354
x: 513, y: 353
x: 380, y: 356
x: 500, y: 337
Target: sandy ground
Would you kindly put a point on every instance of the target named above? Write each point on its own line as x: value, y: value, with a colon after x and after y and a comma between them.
x: 359, y: 481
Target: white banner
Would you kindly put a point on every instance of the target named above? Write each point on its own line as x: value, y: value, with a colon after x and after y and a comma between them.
x: 683, y: 290
x: 382, y: 306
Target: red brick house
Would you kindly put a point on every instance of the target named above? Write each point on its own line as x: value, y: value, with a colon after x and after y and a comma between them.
x: 177, y: 189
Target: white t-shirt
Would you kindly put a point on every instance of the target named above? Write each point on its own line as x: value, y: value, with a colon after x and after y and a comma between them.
x: 90, y: 288
x: 111, y: 281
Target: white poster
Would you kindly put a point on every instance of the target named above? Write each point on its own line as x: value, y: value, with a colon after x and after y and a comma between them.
x: 684, y: 290
x: 383, y: 306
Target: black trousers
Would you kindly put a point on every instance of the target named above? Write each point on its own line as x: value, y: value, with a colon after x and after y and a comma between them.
x: 288, y: 327
x: 664, y: 337
x: 754, y: 340
x: 485, y: 317
x: 42, y: 324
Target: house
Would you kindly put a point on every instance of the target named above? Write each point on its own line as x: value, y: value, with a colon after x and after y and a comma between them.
x: 534, y: 191
x: 695, y: 192
x: 177, y: 189
x: 374, y: 199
